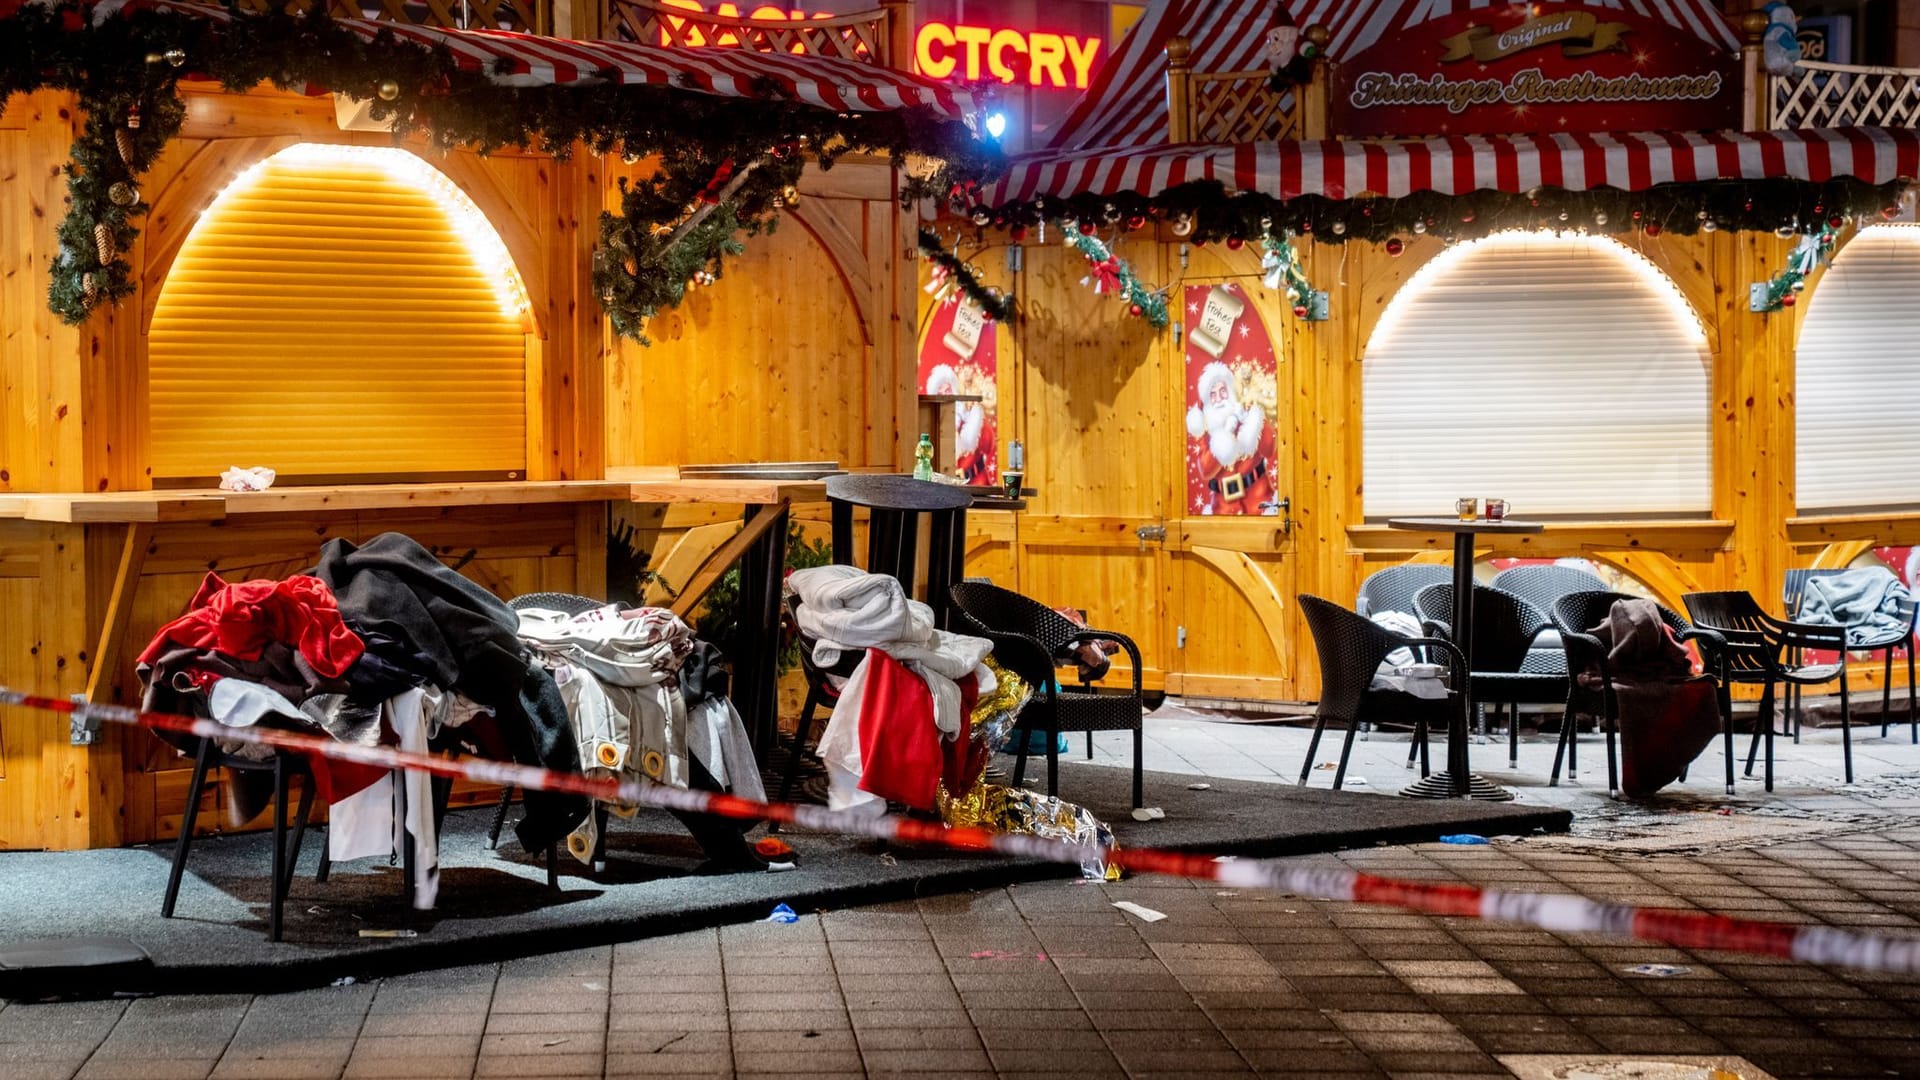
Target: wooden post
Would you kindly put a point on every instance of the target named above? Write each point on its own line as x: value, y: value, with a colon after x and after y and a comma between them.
x: 1756, y: 107
x: 1179, y: 90
x: 899, y: 34
x: 1313, y: 96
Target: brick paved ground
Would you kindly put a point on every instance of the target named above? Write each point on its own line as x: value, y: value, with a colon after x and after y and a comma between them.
x: 1050, y: 980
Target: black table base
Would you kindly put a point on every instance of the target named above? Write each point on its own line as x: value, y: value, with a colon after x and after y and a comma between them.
x: 1440, y: 786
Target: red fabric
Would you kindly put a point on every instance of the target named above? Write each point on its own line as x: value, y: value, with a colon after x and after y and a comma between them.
x: 240, y: 620
x: 900, y: 756
x: 336, y: 780
x: 966, y: 757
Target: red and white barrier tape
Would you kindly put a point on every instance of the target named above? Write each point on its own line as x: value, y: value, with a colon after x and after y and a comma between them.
x: 1558, y: 913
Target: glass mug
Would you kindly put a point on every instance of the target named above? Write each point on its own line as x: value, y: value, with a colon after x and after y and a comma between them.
x: 1468, y: 509
x: 1496, y: 509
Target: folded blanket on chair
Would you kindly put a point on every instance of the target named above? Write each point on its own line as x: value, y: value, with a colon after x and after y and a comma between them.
x: 1861, y: 600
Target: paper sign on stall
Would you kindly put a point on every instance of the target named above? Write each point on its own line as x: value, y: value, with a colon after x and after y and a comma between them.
x: 1221, y: 311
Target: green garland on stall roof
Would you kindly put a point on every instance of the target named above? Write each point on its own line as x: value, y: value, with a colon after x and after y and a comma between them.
x: 1205, y: 212
x: 130, y: 65
x: 997, y: 305
x: 1279, y: 266
x: 1148, y: 304
x: 1812, y: 251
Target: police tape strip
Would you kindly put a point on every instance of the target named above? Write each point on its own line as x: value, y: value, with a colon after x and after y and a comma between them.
x: 1557, y: 913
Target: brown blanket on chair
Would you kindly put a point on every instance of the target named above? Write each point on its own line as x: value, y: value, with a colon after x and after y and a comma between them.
x: 1667, y: 716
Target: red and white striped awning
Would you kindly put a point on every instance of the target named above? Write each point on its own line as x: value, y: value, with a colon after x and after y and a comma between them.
x: 1456, y: 165
x: 513, y: 59
x: 1358, y: 24
x: 1127, y: 103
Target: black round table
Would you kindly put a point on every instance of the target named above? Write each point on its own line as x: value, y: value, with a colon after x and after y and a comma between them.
x: 1459, y: 781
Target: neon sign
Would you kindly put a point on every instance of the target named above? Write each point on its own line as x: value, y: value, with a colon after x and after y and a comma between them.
x: 941, y: 51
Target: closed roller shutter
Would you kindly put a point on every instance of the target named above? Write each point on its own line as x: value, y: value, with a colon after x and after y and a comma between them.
x: 1566, y: 375
x: 1855, y: 387
x: 339, y: 311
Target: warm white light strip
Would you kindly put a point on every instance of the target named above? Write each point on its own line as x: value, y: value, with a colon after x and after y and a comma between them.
x: 476, y: 233
x: 1443, y: 263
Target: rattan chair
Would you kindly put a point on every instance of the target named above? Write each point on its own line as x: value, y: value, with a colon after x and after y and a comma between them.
x: 1541, y: 586
x: 1029, y: 639
x: 1352, y: 647
x: 1757, y: 645
x: 1791, y: 593
x: 1505, y: 628
x: 1577, y: 614
x: 1392, y: 589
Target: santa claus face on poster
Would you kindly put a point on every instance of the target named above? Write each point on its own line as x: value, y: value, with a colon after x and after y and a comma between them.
x: 958, y: 356
x: 1233, y: 395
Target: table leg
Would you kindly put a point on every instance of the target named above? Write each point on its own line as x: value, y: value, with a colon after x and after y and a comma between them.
x: 1458, y: 766
x: 756, y: 668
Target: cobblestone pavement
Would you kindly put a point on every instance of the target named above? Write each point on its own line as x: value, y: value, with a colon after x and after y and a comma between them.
x: 1052, y: 980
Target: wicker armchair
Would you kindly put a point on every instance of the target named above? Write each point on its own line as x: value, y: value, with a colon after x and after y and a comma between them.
x: 1541, y: 586
x: 1029, y: 639
x: 1576, y: 614
x: 1392, y: 589
x: 1505, y: 628
x: 1352, y: 647
x: 1757, y: 645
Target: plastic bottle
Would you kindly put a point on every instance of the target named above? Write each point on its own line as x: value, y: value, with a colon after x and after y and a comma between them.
x: 923, y: 458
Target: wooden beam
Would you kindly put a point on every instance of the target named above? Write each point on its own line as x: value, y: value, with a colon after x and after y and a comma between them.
x: 113, y: 632
x: 721, y: 560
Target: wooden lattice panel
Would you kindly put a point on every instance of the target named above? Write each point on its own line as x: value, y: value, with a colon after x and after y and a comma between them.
x: 1835, y: 95
x: 1239, y: 106
x: 860, y: 36
x: 527, y: 16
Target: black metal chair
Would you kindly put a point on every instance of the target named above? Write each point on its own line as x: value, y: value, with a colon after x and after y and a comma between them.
x: 284, y: 767
x: 1393, y: 588
x: 896, y: 506
x: 1505, y: 628
x: 1352, y: 647
x: 1756, y: 651
x: 1794, y: 589
x: 1577, y: 614
x: 1029, y: 639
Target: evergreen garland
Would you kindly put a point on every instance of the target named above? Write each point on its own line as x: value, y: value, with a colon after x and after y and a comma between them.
x: 1205, y: 212
x: 1108, y: 272
x: 959, y: 275
x: 1279, y: 265
x: 1813, y: 250
x: 126, y: 70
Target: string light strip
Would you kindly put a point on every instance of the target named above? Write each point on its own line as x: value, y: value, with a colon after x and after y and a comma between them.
x: 1554, y: 913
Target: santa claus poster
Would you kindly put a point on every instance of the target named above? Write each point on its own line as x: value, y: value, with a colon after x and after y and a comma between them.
x: 957, y: 356
x: 1232, y: 399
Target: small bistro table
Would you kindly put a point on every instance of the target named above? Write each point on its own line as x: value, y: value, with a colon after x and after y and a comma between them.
x: 1459, y: 781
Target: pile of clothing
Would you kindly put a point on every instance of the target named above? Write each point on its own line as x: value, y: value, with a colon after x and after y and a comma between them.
x: 918, y: 718
x: 648, y: 703
x: 379, y: 643
x: 1668, y: 715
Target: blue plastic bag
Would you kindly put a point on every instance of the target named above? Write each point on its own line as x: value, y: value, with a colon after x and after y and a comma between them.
x: 782, y: 914
x: 1464, y: 838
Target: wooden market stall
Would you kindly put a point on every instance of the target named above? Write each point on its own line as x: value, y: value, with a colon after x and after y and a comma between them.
x: 1601, y: 360
x: 417, y: 334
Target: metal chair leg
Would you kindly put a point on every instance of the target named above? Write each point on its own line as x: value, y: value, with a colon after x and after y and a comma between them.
x: 201, y: 760
x: 1846, y: 722
x: 499, y: 818
x: 1766, y: 722
x: 1023, y: 737
x: 1560, y: 748
x: 276, y: 895
x: 1313, y: 747
x: 1513, y: 736
x: 1089, y: 746
x: 1346, y: 748
x: 1139, y: 766
x: 1913, y: 706
x: 553, y: 866
x: 801, y: 729
x: 1725, y: 701
x: 1053, y: 759
x: 299, y: 829
x: 1886, y: 693
x: 1613, y: 760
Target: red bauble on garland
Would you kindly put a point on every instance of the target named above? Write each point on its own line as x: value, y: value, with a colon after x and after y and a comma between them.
x: 1234, y: 243
x: 1087, y: 228
x: 1395, y: 246
x: 1135, y: 310
x: 1018, y: 234
x: 1653, y: 228
x: 1299, y: 311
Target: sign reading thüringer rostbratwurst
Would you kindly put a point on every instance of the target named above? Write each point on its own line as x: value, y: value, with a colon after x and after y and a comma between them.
x: 1536, y: 67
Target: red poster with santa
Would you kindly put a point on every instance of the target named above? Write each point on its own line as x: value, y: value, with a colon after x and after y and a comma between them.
x: 958, y: 356
x: 1232, y: 400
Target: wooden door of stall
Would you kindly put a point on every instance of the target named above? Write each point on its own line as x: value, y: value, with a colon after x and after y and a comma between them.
x: 1227, y: 444
x: 1091, y: 406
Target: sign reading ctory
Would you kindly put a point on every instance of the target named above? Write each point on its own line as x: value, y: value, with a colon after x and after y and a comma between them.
x: 1536, y: 67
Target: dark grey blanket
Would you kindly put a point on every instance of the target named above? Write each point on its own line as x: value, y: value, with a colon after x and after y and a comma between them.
x: 1863, y: 601
x: 397, y: 591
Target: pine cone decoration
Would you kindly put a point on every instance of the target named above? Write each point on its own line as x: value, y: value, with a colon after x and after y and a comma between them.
x: 103, y: 242
x: 123, y: 139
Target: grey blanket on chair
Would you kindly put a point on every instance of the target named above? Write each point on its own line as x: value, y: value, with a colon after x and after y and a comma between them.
x: 1863, y: 601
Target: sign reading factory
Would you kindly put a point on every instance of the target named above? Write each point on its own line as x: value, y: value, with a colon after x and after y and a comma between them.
x: 1537, y: 67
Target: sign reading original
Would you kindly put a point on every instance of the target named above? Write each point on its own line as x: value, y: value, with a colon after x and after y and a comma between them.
x: 1537, y: 68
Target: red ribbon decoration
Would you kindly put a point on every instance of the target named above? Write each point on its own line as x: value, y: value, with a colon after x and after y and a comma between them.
x: 1105, y: 275
x: 711, y: 194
